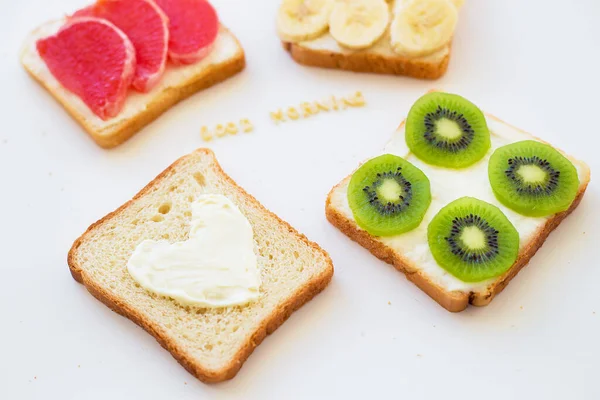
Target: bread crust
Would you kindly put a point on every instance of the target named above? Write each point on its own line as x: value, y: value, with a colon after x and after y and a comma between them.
x: 368, y: 62
x: 115, y: 134
x: 267, y: 326
x: 453, y: 301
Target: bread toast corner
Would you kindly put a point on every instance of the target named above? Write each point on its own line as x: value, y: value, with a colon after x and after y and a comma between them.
x: 368, y: 62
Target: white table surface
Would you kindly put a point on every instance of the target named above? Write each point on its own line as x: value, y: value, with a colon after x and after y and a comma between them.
x: 532, y: 63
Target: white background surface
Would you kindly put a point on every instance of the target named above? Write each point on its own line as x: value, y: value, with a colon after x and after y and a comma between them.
x: 532, y: 63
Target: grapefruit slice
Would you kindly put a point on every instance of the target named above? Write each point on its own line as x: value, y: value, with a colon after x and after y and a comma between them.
x: 147, y: 26
x: 193, y: 28
x: 93, y: 59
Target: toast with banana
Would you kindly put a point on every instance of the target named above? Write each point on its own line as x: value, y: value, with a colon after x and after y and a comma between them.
x: 459, y: 201
x: 400, y: 37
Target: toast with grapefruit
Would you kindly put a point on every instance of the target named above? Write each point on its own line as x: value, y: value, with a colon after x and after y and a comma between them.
x: 117, y: 65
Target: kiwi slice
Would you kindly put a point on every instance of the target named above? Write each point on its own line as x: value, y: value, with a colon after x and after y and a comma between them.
x: 533, y: 178
x: 447, y: 130
x: 473, y: 240
x: 388, y: 195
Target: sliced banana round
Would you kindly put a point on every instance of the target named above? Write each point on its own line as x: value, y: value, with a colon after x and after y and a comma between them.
x: 299, y: 20
x: 458, y: 3
x: 357, y: 24
x: 422, y: 27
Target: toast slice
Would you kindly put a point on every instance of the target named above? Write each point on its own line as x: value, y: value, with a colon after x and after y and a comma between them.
x: 409, y: 252
x: 325, y: 52
x: 212, y: 344
x: 177, y: 83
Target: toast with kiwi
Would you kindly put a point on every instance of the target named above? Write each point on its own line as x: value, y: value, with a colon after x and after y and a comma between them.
x: 394, y: 37
x: 458, y: 201
x: 211, y: 343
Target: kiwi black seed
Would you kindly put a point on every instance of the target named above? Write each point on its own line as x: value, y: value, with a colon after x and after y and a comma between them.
x: 473, y: 240
x: 447, y: 130
x: 388, y: 195
x: 533, y: 178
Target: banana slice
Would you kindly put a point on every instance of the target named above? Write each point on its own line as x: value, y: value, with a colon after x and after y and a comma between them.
x: 458, y: 3
x: 422, y: 27
x: 299, y: 20
x: 357, y: 24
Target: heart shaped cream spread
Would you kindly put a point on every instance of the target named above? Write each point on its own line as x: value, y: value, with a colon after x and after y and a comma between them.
x: 215, y: 267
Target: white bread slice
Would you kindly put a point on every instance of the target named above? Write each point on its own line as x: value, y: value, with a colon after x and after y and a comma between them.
x: 212, y: 344
x: 409, y: 252
x: 177, y: 83
x: 325, y: 52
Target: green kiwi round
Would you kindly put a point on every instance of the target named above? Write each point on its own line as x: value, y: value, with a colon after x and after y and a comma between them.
x: 447, y: 130
x: 388, y: 195
x: 473, y: 240
x: 533, y: 178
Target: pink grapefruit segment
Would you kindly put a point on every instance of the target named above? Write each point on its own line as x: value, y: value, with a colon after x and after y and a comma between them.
x: 147, y: 26
x: 193, y: 27
x: 93, y: 59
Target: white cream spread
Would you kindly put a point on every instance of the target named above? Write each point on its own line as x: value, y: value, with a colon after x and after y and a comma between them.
x: 381, y: 47
x: 225, y: 47
x: 215, y: 267
x: 448, y: 185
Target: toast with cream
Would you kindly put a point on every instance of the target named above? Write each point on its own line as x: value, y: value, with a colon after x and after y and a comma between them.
x: 410, y: 253
x: 177, y: 83
x: 409, y: 37
x: 201, y: 265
